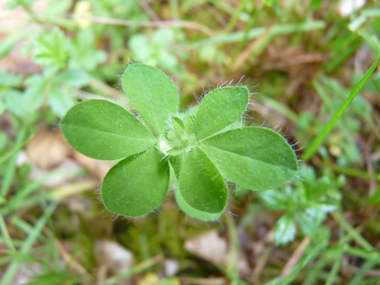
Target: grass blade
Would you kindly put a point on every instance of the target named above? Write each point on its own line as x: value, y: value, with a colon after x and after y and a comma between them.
x: 14, y: 150
x: 30, y: 240
x: 335, y: 269
x: 326, y: 130
x: 5, y: 234
x: 297, y: 269
x: 280, y: 29
x: 10, y: 170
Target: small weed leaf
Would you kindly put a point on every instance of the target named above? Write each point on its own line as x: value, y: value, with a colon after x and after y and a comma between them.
x: 319, y: 189
x: 136, y: 185
x: 104, y: 130
x: 285, y: 229
x: 204, y: 147
x: 253, y: 157
x: 153, y: 94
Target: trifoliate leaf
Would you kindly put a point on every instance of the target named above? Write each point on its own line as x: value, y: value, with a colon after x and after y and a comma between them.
x: 253, y: 157
x: 136, y: 185
x: 153, y: 94
x: 103, y: 130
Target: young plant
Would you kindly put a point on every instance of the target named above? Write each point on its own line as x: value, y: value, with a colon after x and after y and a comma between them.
x: 203, y: 149
x: 307, y: 201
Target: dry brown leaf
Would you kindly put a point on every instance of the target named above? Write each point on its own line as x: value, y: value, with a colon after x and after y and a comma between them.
x: 96, y: 167
x: 47, y: 149
x: 213, y: 248
x: 209, y: 246
x: 112, y: 258
x: 12, y: 21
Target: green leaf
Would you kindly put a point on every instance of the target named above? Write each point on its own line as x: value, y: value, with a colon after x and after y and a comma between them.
x: 51, y: 278
x: 2, y: 108
x: 136, y: 185
x: 315, y: 144
x: 15, y: 102
x: 220, y: 108
x: 375, y: 197
x: 275, y: 200
x: 176, y: 161
x: 59, y: 100
x: 192, y: 212
x: 85, y: 55
x: 319, y: 189
x: 73, y: 77
x: 307, y: 175
x: 23, y: 257
x: 9, y: 80
x: 26, y: 103
x: 308, y: 224
x: 8, y: 44
x: 201, y: 184
x: 179, y: 121
x: 285, y: 229
x: 153, y: 94
x: 189, y: 124
x: 103, y: 130
x: 253, y: 157
x: 301, y: 264
x: 52, y: 49
x: 178, y: 127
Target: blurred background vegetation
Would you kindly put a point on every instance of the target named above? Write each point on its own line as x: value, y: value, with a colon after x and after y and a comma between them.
x: 300, y: 59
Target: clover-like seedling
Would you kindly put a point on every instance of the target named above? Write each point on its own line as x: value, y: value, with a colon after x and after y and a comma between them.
x: 204, y: 149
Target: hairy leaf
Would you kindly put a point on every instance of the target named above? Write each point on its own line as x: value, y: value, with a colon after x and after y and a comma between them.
x: 189, y: 124
x: 253, y: 157
x: 201, y: 184
x: 192, y: 212
x: 136, y: 185
x: 178, y: 127
x: 153, y: 94
x: 103, y: 130
x: 176, y: 161
x: 220, y: 108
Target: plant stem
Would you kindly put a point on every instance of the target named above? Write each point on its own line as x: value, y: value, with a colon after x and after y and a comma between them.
x: 354, y: 172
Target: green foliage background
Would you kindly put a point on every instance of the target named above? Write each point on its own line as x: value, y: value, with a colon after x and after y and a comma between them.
x: 304, y: 60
